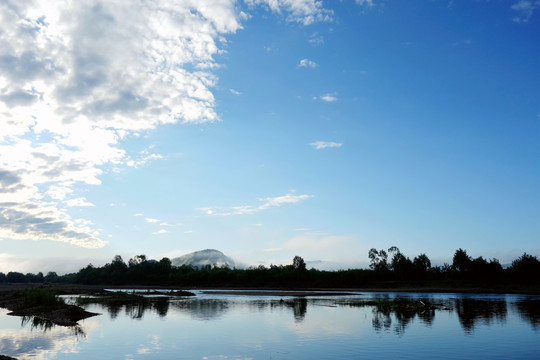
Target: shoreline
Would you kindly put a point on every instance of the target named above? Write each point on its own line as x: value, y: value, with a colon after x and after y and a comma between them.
x: 76, y: 289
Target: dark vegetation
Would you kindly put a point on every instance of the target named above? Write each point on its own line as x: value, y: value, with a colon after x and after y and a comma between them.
x: 44, y: 305
x: 389, y: 269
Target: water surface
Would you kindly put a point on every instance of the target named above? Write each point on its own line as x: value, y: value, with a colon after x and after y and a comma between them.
x: 211, y: 326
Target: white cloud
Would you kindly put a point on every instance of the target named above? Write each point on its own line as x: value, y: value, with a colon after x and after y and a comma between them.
x: 151, y: 220
x: 79, y: 78
x: 76, y: 79
x: 316, y: 39
x: 328, y: 97
x: 307, y: 63
x: 525, y: 10
x: 305, y: 12
x: 81, y: 202
x: 268, y: 202
x: 234, y: 92
x: 160, y: 232
x: 368, y: 3
x: 319, y: 145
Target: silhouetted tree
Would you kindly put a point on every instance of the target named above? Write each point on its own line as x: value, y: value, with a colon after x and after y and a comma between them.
x: 51, y: 277
x: 137, y: 260
x: 526, y: 268
x: 401, y: 265
x: 15, y: 277
x: 299, y: 264
x: 378, y: 260
x: 421, y: 266
x: 461, y: 261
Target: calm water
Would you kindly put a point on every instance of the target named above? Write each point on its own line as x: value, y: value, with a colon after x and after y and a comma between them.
x: 212, y: 326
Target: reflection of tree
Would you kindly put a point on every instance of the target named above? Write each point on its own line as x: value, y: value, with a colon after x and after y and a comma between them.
x: 529, y: 310
x: 46, y: 325
x: 402, y: 310
x: 161, y: 306
x: 136, y: 309
x: 471, y: 311
x: 203, y: 309
x: 299, y: 307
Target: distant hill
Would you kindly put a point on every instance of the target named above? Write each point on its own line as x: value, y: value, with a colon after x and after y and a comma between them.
x: 204, y: 257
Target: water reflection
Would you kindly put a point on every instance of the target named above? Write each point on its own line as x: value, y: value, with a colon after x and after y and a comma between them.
x: 136, y: 310
x: 212, y: 309
x: 529, y: 311
x: 35, y: 338
x: 398, y: 313
x: 389, y: 313
x: 37, y: 323
x: 473, y: 311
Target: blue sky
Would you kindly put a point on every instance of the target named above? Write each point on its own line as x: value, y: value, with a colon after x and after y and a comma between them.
x: 268, y: 129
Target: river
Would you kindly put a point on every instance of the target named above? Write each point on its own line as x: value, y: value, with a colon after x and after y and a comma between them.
x: 358, y: 326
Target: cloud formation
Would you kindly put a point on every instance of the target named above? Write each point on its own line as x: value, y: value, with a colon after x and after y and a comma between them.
x: 307, y: 63
x: 525, y: 10
x: 267, y: 203
x: 319, y: 145
x: 79, y: 78
x: 368, y: 3
x: 328, y: 97
x: 305, y: 12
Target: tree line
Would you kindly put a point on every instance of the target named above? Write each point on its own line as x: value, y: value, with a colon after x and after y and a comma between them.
x: 388, y: 268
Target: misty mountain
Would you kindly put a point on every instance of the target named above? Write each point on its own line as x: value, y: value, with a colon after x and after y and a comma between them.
x: 204, y: 257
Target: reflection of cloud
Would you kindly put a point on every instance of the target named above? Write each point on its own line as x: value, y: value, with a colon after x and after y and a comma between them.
x: 152, y: 347
x: 40, y: 345
x: 316, y: 321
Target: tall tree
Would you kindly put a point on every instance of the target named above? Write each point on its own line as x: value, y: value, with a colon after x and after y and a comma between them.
x: 299, y: 264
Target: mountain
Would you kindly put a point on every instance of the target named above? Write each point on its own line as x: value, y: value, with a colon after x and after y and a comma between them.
x: 204, y: 257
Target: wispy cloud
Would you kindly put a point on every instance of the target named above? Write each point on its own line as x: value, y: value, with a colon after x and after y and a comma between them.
x: 272, y: 249
x: 234, y: 92
x: 316, y: 39
x: 319, y: 145
x: 307, y: 64
x: 81, y: 202
x: 328, y: 97
x: 305, y: 12
x: 314, y: 245
x: 267, y: 203
x: 79, y: 78
x: 525, y: 10
x: 368, y: 3
x: 152, y: 220
x: 160, y: 232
